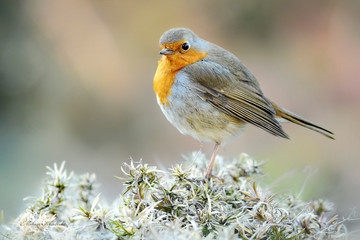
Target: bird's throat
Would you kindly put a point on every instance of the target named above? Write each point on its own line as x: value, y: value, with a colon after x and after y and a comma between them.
x: 164, y: 79
x: 167, y: 69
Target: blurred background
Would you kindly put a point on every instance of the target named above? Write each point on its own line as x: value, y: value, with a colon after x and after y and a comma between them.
x: 76, y: 85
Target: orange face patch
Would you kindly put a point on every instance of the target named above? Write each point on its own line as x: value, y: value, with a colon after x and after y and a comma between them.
x: 170, y: 65
x: 173, y: 46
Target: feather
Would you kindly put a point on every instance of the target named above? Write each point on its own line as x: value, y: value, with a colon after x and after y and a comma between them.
x: 236, y: 96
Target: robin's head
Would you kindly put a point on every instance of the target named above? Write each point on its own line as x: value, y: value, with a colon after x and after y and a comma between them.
x: 182, y: 47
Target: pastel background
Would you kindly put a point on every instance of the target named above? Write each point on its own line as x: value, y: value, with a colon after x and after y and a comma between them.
x: 76, y: 85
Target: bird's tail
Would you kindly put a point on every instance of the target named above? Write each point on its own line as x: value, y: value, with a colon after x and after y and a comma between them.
x: 292, y: 117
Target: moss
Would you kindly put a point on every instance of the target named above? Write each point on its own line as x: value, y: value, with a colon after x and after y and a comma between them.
x: 177, y: 204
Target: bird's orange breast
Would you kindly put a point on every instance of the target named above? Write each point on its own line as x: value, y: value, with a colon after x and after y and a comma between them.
x: 167, y: 69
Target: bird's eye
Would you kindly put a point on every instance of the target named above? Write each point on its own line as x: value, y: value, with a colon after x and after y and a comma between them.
x: 185, y: 46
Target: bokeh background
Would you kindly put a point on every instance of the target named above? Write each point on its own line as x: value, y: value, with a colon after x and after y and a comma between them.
x: 76, y: 85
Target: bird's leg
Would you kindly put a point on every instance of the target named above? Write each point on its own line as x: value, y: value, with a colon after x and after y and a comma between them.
x: 212, y: 160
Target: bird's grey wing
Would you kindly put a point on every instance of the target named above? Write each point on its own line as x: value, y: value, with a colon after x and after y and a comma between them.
x: 233, y: 94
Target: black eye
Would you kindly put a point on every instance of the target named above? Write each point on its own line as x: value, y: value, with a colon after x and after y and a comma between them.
x: 185, y: 46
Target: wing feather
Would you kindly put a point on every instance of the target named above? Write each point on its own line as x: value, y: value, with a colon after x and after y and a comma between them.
x: 234, y: 94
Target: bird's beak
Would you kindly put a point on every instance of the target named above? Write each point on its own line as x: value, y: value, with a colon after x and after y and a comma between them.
x: 166, y: 51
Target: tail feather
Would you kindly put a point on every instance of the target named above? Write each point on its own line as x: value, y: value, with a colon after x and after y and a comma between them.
x: 294, y: 118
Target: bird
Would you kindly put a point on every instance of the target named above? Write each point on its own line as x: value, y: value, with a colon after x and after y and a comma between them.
x: 206, y: 92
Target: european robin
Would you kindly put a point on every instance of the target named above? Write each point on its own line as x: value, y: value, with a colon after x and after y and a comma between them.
x: 207, y: 93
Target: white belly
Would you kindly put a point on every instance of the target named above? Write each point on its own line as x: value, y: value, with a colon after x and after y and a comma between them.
x: 195, y: 117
